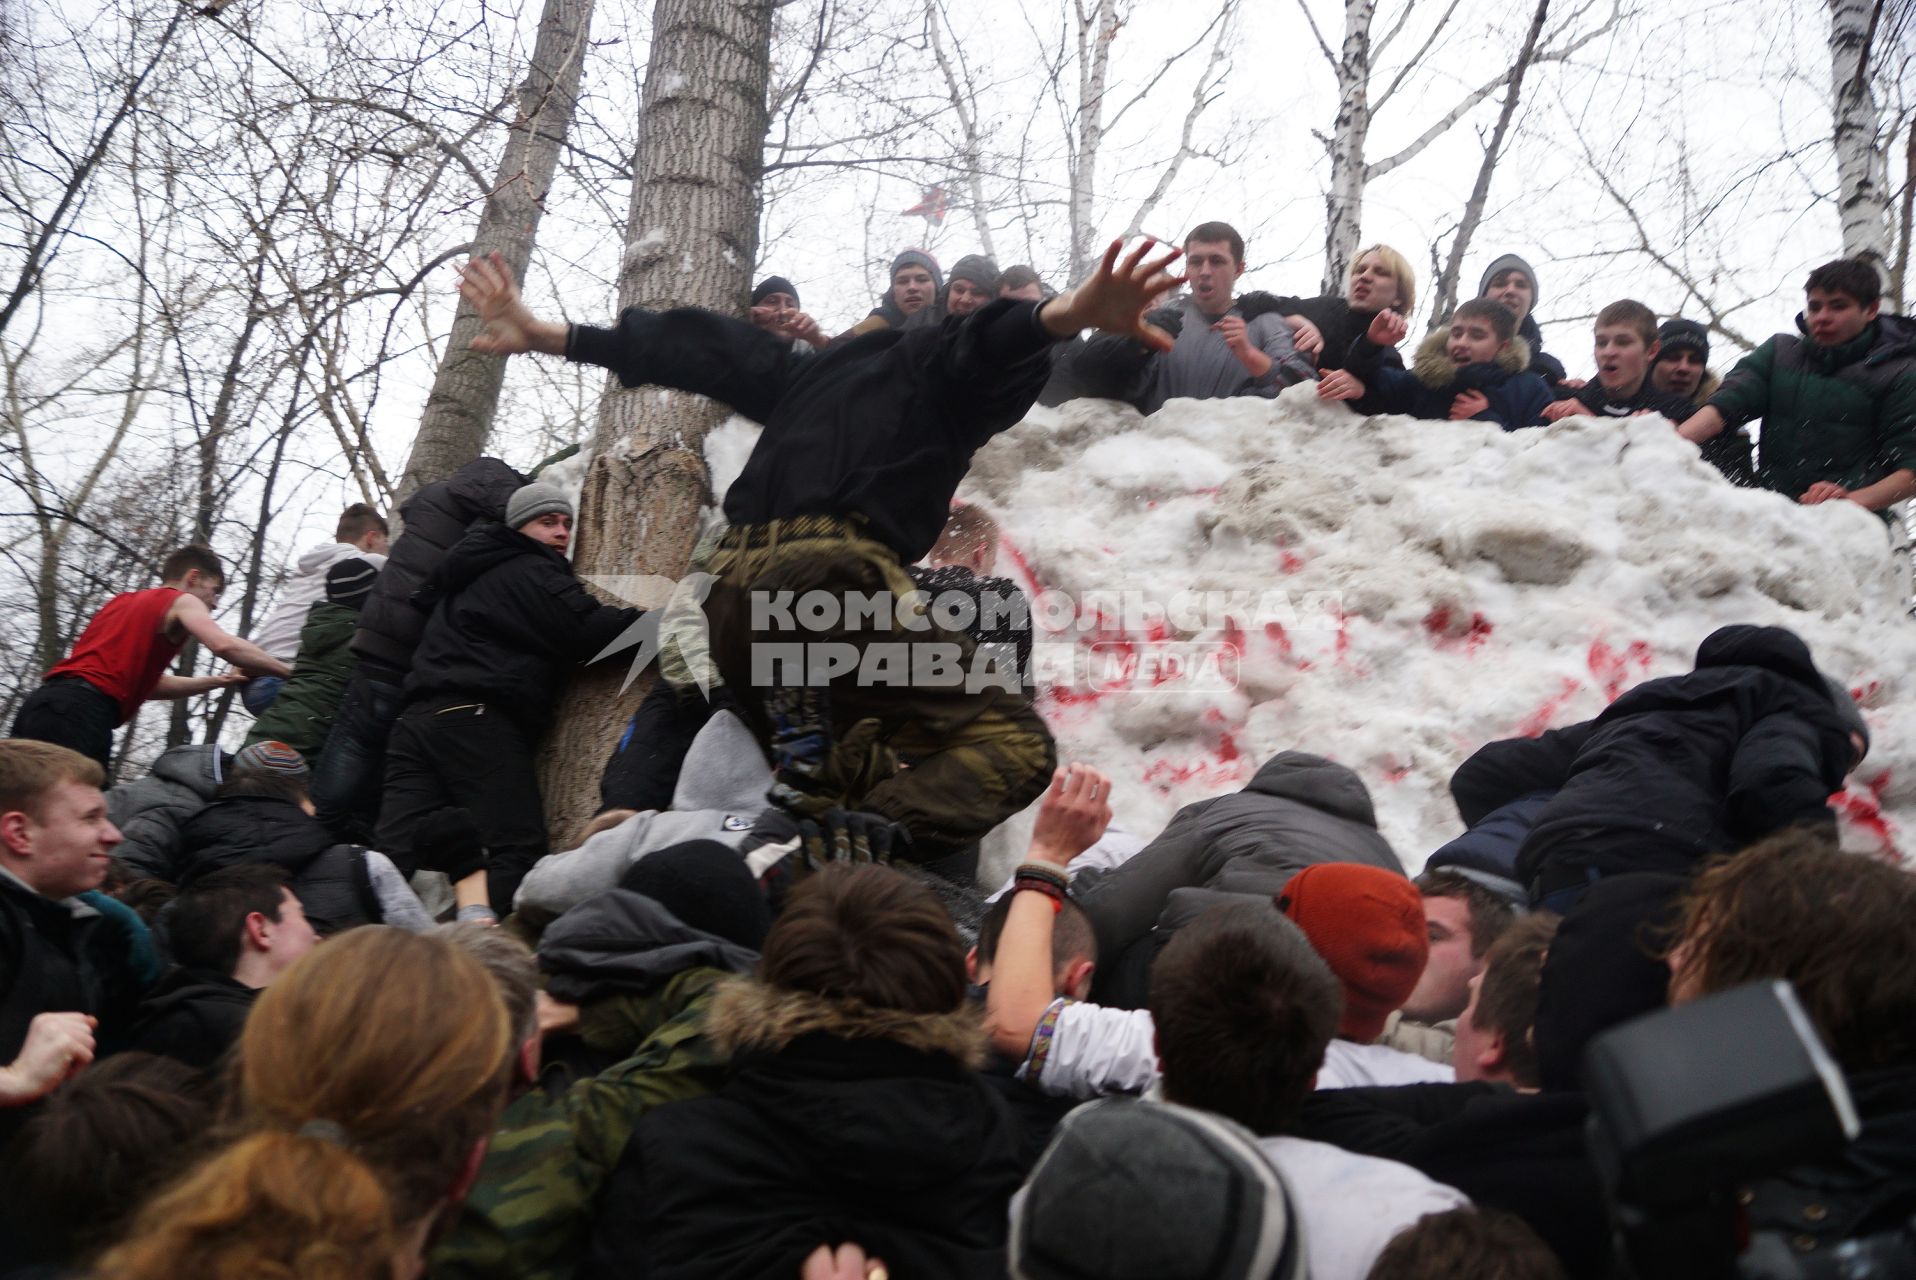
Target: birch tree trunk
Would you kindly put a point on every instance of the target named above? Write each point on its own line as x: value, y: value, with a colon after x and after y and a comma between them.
x: 1861, y: 171
x: 691, y: 240
x: 465, y: 391
x: 1097, y: 29
x: 1445, y: 294
x: 1344, y: 206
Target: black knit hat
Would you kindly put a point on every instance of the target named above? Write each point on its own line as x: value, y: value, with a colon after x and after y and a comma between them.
x: 350, y: 581
x: 708, y: 887
x: 771, y: 285
x: 1683, y: 335
x: 1133, y: 1190
x: 979, y: 270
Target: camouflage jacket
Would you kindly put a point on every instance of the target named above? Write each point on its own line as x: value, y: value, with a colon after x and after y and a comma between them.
x: 530, y: 1214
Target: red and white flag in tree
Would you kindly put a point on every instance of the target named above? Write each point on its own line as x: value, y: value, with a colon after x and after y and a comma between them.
x: 932, y: 206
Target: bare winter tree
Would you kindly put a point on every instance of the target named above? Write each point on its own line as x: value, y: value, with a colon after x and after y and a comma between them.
x: 1357, y: 63
x: 1444, y: 298
x: 465, y: 392
x: 691, y: 239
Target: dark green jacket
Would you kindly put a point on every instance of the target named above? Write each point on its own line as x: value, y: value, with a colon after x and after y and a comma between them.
x: 1846, y: 413
x: 531, y: 1213
x: 304, y: 710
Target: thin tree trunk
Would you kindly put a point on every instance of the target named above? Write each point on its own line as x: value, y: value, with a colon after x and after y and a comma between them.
x: 692, y: 237
x: 1344, y: 205
x: 964, y: 105
x: 1862, y: 179
x: 465, y: 392
x: 1096, y: 32
x: 1446, y: 290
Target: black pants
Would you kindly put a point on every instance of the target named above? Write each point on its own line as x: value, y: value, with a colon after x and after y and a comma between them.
x: 452, y: 753
x: 643, y: 771
x: 70, y: 712
x: 351, y: 774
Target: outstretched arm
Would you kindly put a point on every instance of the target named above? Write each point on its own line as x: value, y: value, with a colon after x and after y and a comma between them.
x: 193, y: 616
x: 688, y: 348
x: 1076, y: 806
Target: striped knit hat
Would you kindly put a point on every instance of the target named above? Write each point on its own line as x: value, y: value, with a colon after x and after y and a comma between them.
x: 272, y: 758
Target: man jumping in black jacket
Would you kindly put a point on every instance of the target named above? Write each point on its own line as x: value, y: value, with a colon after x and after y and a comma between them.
x: 864, y: 446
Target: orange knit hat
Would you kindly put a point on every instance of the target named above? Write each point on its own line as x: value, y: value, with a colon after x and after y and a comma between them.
x: 1368, y: 924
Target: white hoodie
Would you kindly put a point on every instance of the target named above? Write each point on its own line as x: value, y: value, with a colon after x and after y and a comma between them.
x: 278, y: 634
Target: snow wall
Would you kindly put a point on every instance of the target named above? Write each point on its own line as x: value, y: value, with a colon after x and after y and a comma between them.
x: 1227, y: 579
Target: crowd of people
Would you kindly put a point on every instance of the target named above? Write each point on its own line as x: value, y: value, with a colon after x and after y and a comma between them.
x: 330, y: 1005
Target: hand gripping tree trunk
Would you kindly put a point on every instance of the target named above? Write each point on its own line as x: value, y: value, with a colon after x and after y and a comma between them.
x: 691, y: 240
x: 465, y: 392
x: 1861, y: 171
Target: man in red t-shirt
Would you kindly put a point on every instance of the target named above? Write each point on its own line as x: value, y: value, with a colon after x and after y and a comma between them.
x: 120, y: 659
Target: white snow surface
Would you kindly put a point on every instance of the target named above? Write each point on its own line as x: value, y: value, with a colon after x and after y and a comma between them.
x: 1451, y: 584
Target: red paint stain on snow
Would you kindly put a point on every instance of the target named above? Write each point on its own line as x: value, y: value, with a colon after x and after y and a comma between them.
x: 1864, y: 811
x: 1291, y: 562
x: 1275, y: 630
x: 1549, y: 709
x: 1439, y: 624
x: 1227, y: 748
x: 1613, y: 669
x: 1397, y: 775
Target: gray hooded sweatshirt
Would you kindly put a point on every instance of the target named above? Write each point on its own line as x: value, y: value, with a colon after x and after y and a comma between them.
x: 1298, y: 809
x: 720, y: 794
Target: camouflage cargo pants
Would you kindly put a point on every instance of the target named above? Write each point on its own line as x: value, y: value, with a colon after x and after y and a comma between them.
x: 814, y: 629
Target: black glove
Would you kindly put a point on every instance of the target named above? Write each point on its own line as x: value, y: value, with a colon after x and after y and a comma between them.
x: 845, y: 836
x: 448, y: 840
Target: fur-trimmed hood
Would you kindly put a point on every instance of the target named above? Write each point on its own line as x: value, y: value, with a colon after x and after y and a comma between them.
x: 1708, y: 387
x: 1436, y: 370
x: 749, y: 1016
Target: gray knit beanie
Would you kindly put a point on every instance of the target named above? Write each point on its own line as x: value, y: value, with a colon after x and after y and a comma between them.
x: 534, y: 500
x: 979, y: 270
x: 1132, y: 1190
x: 1511, y: 262
x: 918, y: 258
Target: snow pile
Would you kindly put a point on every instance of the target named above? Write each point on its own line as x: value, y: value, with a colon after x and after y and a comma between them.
x: 1447, y: 584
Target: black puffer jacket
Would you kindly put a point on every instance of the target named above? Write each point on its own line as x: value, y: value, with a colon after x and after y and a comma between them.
x: 510, y: 619
x: 1298, y: 810
x: 436, y: 517
x: 839, y: 1125
x: 1678, y: 768
x: 194, y: 1015
x: 329, y: 879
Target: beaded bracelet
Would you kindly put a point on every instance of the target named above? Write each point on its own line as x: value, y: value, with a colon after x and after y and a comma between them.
x: 1045, y: 871
x: 1040, y: 884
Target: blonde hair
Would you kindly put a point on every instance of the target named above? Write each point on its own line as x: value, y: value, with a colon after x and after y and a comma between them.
x: 30, y: 769
x: 366, y: 1076
x: 1400, y: 270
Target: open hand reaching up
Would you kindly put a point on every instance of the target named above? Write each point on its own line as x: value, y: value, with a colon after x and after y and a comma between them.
x: 1116, y: 297
x: 510, y: 328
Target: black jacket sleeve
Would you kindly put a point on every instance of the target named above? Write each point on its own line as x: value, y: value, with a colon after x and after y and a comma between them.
x: 693, y: 350
x: 1125, y: 902
x: 1778, y: 778
x: 1513, y: 768
x: 552, y: 614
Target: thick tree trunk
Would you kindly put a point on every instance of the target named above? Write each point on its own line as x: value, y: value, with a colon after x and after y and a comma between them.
x: 1445, y: 300
x: 691, y: 240
x: 1861, y: 171
x: 1344, y: 204
x: 465, y: 392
